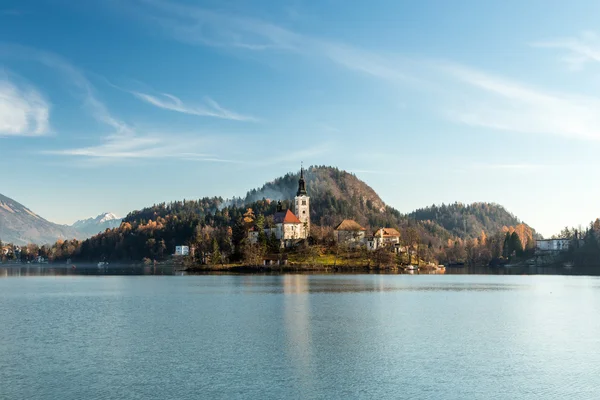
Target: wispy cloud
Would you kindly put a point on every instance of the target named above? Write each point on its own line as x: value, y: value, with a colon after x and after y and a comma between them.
x: 377, y: 172
x: 74, y: 76
x: 151, y: 146
x: 459, y: 93
x: 210, y: 108
x: 498, y: 103
x: 124, y: 142
x: 524, y: 167
x: 197, y: 25
x: 23, y: 110
x: 296, y: 156
x: 11, y: 12
x: 579, y: 50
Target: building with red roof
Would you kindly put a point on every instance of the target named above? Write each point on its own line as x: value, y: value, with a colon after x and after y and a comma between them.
x: 287, y: 226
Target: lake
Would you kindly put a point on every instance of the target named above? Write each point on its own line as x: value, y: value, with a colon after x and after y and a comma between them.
x: 300, y: 337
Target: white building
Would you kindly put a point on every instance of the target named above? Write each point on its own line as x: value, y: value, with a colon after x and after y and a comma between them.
x: 287, y: 226
x: 182, y: 250
x: 552, y: 245
x: 384, y: 237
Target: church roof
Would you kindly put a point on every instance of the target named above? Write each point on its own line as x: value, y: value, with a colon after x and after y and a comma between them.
x: 349, y: 225
x: 301, y: 184
x: 285, y: 217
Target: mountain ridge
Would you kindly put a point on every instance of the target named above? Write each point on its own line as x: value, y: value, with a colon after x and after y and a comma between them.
x: 20, y: 225
x: 94, y: 225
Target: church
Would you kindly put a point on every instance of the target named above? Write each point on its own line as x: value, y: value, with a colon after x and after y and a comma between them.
x: 289, y: 226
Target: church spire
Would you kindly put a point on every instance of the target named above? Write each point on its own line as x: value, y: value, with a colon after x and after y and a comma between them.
x: 301, y: 183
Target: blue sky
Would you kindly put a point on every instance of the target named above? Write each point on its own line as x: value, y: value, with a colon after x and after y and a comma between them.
x: 112, y: 105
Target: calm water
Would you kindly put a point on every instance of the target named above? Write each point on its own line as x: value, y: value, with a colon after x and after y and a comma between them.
x: 300, y: 336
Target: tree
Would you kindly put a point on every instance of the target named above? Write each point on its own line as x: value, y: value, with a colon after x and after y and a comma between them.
x: 151, y: 245
x: 506, y: 247
x: 530, y: 247
x: 249, y: 218
x: 470, y: 250
x: 411, y: 241
x: 273, y: 245
x: 483, y: 239
x: 566, y: 233
x: 383, y: 257
x: 260, y: 221
x: 215, y: 257
x: 162, y: 247
x: 515, y: 245
x: 253, y: 255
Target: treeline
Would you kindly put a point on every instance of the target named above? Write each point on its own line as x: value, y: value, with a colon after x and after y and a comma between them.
x: 509, y: 244
x: 221, y: 238
x: 155, y: 232
x: 467, y: 221
x: 30, y: 253
x: 584, y: 251
x: 217, y: 228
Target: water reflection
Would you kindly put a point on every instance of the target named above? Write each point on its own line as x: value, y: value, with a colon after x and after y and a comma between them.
x: 296, y: 309
x: 22, y: 270
x: 29, y: 270
x: 295, y: 284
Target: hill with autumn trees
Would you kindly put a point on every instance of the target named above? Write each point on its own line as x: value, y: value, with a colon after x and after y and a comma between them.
x: 467, y: 221
x: 217, y: 227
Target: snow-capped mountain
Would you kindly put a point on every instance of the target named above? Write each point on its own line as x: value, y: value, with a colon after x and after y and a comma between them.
x: 92, y: 226
x: 20, y: 225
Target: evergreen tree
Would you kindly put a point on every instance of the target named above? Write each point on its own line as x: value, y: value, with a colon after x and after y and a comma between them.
x: 215, y: 257
x: 515, y: 245
x: 274, y: 245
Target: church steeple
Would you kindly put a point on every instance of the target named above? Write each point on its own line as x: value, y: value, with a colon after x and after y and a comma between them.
x: 302, y: 205
x: 301, y: 184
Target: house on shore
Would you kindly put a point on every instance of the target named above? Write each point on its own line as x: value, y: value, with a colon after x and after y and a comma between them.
x: 349, y: 232
x: 552, y: 245
x: 275, y: 259
x: 384, y: 237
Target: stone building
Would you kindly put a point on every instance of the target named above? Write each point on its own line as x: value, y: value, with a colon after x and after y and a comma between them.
x: 349, y: 232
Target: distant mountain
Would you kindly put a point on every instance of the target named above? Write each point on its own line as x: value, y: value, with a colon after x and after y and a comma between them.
x: 467, y: 220
x: 20, y: 225
x: 92, y: 226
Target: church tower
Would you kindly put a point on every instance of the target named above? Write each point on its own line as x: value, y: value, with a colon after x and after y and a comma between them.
x: 302, y: 205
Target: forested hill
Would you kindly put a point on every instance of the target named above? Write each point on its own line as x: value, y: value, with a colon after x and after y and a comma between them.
x: 467, y: 221
x: 214, y: 224
x: 334, y: 195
